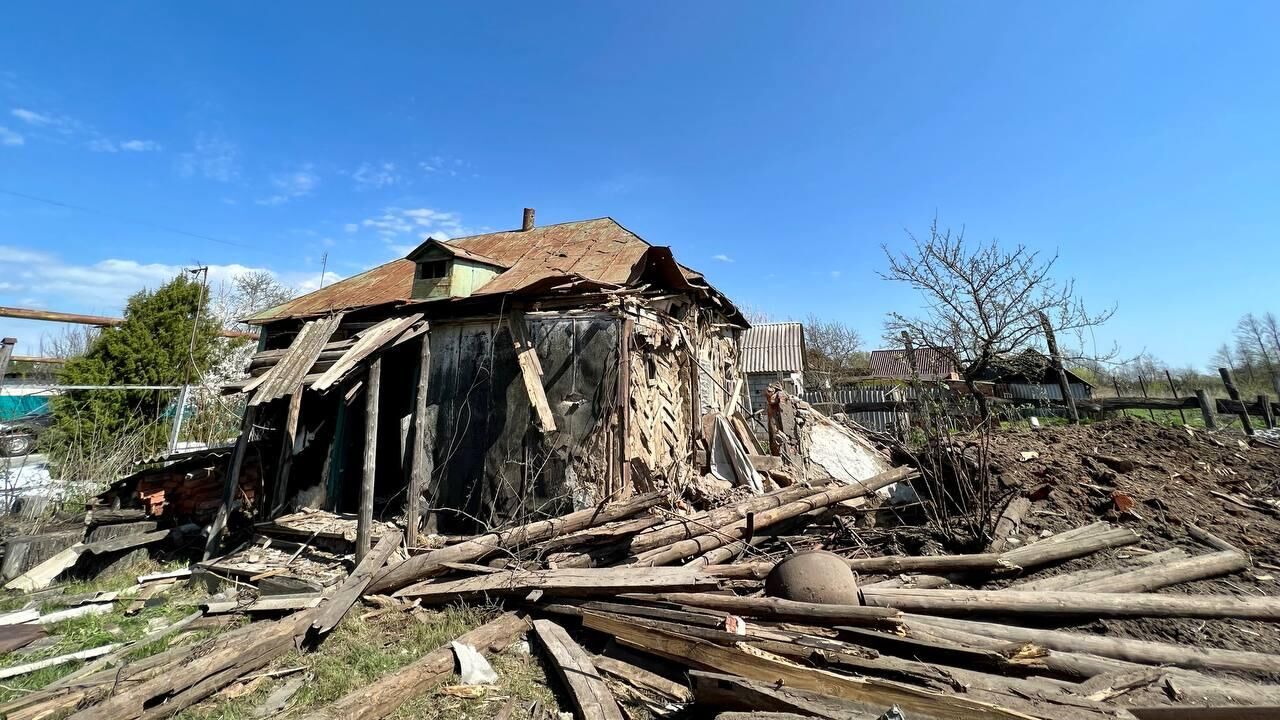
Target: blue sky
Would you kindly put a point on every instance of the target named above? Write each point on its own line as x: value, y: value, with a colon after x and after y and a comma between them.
x: 773, y: 146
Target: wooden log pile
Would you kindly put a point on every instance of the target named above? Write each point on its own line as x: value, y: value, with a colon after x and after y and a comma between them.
x: 632, y: 602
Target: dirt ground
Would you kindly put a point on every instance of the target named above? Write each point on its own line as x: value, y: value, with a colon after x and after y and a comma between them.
x: 1172, y: 481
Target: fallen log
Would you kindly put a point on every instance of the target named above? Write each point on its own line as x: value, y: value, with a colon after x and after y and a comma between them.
x: 1068, y: 581
x: 1010, y: 520
x: 1033, y: 604
x: 587, y: 690
x: 682, y: 528
x: 386, y: 694
x: 420, y: 567
x: 781, y: 610
x: 1136, y: 651
x: 1044, y: 553
x: 1166, y: 574
x: 574, y: 582
x: 738, y: 531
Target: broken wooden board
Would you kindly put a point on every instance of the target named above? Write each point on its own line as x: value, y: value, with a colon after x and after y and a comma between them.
x: 587, y: 690
x: 578, y: 582
x: 370, y: 342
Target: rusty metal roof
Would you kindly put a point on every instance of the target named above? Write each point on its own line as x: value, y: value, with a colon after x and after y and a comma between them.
x: 600, y: 251
x: 387, y: 283
x: 931, y: 364
x: 773, y: 347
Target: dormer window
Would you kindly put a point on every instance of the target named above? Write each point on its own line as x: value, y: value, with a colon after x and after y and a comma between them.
x: 433, y: 269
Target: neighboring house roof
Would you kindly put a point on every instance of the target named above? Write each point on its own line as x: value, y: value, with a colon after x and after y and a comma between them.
x: 596, y: 252
x: 1029, y: 367
x: 773, y: 347
x: 931, y: 364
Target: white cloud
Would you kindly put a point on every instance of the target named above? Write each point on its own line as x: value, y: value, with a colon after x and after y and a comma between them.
x: 10, y: 138
x: 351, y: 227
x: 31, y: 117
x: 722, y: 258
x: 296, y: 184
x: 835, y: 273
x: 427, y: 222
x: 371, y: 176
x: 139, y: 145
x: 104, y: 286
x: 213, y: 158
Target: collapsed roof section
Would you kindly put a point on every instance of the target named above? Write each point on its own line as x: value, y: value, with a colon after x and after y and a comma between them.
x: 575, y: 257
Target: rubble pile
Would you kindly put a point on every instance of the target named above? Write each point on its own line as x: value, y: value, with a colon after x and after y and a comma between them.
x: 1130, y: 575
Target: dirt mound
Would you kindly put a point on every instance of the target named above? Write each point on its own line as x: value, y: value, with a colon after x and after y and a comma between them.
x: 1155, y: 479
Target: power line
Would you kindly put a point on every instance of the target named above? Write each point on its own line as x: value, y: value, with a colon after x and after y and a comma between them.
x: 123, y: 218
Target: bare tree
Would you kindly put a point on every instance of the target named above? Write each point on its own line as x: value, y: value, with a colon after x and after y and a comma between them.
x: 833, y: 349
x: 982, y: 301
x: 1251, y: 341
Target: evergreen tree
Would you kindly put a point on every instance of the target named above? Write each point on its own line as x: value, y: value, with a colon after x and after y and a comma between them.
x: 153, y: 346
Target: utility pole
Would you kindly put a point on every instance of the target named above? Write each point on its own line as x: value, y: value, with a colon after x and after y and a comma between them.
x: 191, y: 349
x: 324, y: 265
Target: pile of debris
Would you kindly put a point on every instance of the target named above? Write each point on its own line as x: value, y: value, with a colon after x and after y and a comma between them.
x: 775, y: 601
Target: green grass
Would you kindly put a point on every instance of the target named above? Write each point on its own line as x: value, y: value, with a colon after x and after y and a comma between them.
x: 360, y: 651
x: 97, y: 630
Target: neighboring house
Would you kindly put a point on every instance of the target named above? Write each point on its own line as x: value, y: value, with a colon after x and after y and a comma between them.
x: 771, y: 353
x: 1030, y: 376
x: 895, y: 364
x: 565, y: 364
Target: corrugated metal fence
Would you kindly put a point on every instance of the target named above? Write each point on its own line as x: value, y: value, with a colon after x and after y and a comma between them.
x: 830, y: 401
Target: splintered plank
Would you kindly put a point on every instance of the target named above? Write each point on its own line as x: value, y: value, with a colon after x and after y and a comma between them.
x: 370, y: 342
x: 588, y: 691
x: 531, y: 372
x: 565, y: 581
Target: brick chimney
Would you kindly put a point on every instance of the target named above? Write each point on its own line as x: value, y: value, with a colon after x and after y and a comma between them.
x: 527, y: 225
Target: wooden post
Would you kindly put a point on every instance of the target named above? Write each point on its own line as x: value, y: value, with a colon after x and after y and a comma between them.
x: 1208, y: 409
x: 1174, y: 388
x: 231, y: 483
x: 1116, y: 384
x: 1056, y: 360
x: 364, y: 522
x: 6, y: 353
x: 1230, y: 382
x: 287, y: 446
x: 1264, y: 403
x: 1142, y: 385
x: 624, y: 406
x: 423, y: 457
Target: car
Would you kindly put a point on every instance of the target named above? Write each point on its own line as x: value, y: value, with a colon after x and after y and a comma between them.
x: 20, y: 435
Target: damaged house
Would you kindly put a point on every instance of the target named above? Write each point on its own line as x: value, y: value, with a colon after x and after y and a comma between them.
x: 490, y: 378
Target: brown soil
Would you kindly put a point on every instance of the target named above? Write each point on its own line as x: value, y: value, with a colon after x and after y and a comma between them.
x: 1172, y: 481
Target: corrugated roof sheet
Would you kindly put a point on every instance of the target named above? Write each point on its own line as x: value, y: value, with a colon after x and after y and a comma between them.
x: 773, y: 347
x: 599, y: 250
x: 931, y: 364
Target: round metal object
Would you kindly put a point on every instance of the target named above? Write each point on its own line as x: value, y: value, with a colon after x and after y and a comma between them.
x: 815, y: 576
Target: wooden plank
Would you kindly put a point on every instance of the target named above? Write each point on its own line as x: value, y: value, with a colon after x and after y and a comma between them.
x: 371, y: 341
x: 587, y: 690
x: 347, y: 595
x: 643, y: 679
x: 230, y: 484
x: 423, y: 456
x: 576, y: 582
x: 1040, y: 604
x: 749, y: 662
x: 1208, y: 409
x: 531, y: 372
x: 286, y: 375
x: 779, y: 609
x: 1166, y: 574
x: 728, y: 691
x: 1229, y: 381
x: 364, y: 521
x: 1196, y: 712
x: 30, y: 667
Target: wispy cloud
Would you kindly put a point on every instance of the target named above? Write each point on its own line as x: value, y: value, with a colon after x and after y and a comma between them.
x: 32, y: 117
x: 835, y: 273
x: 372, y: 176
x: 291, y: 185
x: 212, y: 157
x: 722, y: 258
x: 10, y: 138
x: 438, y: 164
x: 69, y: 129
x: 403, y: 228
x: 110, y: 146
